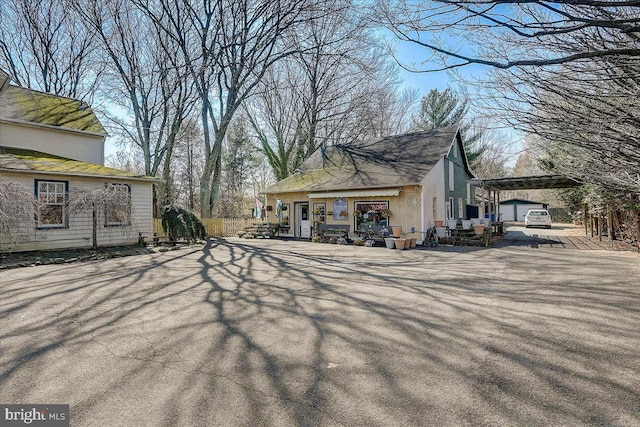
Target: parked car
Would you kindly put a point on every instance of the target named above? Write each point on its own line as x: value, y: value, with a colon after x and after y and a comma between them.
x: 537, y: 218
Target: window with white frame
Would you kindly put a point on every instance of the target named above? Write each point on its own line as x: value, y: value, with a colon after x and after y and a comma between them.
x: 118, y: 206
x: 371, y: 214
x: 460, y: 208
x: 451, y: 210
x: 451, y: 176
x: 51, y: 197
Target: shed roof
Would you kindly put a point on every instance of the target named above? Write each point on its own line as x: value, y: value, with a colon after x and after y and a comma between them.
x: 520, y: 202
x: 392, y: 161
x: 529, y: 182
x: 30, y: 161
x: 30, y: 106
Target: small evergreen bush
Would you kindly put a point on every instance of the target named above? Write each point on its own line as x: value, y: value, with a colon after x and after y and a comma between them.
x: 179, y: 223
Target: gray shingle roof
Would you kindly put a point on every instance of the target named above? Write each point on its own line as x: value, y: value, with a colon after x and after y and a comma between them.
x: 391, y: 161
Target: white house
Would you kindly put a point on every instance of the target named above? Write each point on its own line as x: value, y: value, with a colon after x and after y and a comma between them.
x: 54, y: 146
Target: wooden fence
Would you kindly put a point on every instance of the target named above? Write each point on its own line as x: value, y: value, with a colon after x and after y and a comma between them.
x: 215, y: 227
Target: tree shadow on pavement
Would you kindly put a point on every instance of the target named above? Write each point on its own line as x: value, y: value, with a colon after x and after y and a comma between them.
x: 279, y: 333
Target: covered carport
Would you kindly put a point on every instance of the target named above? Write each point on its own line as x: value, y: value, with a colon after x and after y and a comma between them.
x: 491, y: 187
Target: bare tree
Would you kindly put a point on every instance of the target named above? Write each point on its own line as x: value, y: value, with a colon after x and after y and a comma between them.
x: 108, y: 204
x: 144, y: 78
x: 337, y: 89
x: 43, y: 47
x: 228, y: 46
x: 17, y: 211
x: 509, y: 33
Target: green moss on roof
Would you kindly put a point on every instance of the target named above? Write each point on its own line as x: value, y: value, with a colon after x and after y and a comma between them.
x: 17, y: 103
x: 22, y: 160
x: 387, y: 162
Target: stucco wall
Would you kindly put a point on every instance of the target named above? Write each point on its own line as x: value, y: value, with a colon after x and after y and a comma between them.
x: 84, y: 147
x: 78, y: 234
x: 434, y: 186
x: 403, y: 212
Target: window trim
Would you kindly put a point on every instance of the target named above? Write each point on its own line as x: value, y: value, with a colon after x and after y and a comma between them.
x: 451, y: 208
x: 65, y: 217
x: 460, y: 208
x: 320, y: 218
x: 452, y: 176
x: 106, y: 212
x: 365, y: 202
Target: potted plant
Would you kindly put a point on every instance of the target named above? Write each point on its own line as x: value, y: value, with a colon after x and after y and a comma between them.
x: 390, y: 242
x: 400, y: 243
x: 466, y: 224
x: 439, y: 222
x: 385, y: 213
x: 397, y: 231
x: 452, y: 223
x: 329, y: 212
x: 479, y: 229
x: 355, y: 214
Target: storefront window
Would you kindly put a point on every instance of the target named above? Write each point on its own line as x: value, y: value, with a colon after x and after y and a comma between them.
x: 371, y: 214
x: 319, y: 213
x: 284, y: 216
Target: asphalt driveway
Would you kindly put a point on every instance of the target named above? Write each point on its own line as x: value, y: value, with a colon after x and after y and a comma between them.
x: 285, y: 333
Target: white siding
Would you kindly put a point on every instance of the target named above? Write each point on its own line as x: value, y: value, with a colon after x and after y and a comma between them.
x: 79, y: 232
x: 508, y: 210
x: 83, y: 147
x: 433, y: 186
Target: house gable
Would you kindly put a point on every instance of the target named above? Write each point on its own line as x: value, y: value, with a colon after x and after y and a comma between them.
x: 47, y: 123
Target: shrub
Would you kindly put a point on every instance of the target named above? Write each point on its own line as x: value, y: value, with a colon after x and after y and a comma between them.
x: 179, y: 223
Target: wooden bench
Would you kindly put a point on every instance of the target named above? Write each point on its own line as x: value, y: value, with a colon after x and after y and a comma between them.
x: 333, y: 230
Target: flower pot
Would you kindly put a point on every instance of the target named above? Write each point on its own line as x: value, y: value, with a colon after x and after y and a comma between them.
x: 479, y: 229
x: 397, y: 231
x: 407, y: 243
x: 441, y: 231
x: 414, y: 242
x: 389, y: 241
x: 439, y: 223
x: 486, y: 222
x: 466, y: 224
x: 475, y: 221
x: 452, y: 223
x: 400, y: 243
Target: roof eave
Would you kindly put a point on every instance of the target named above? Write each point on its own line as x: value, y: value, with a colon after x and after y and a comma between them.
x: 51, y: 127
x: 148, y: 179
x: 322, y: 190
